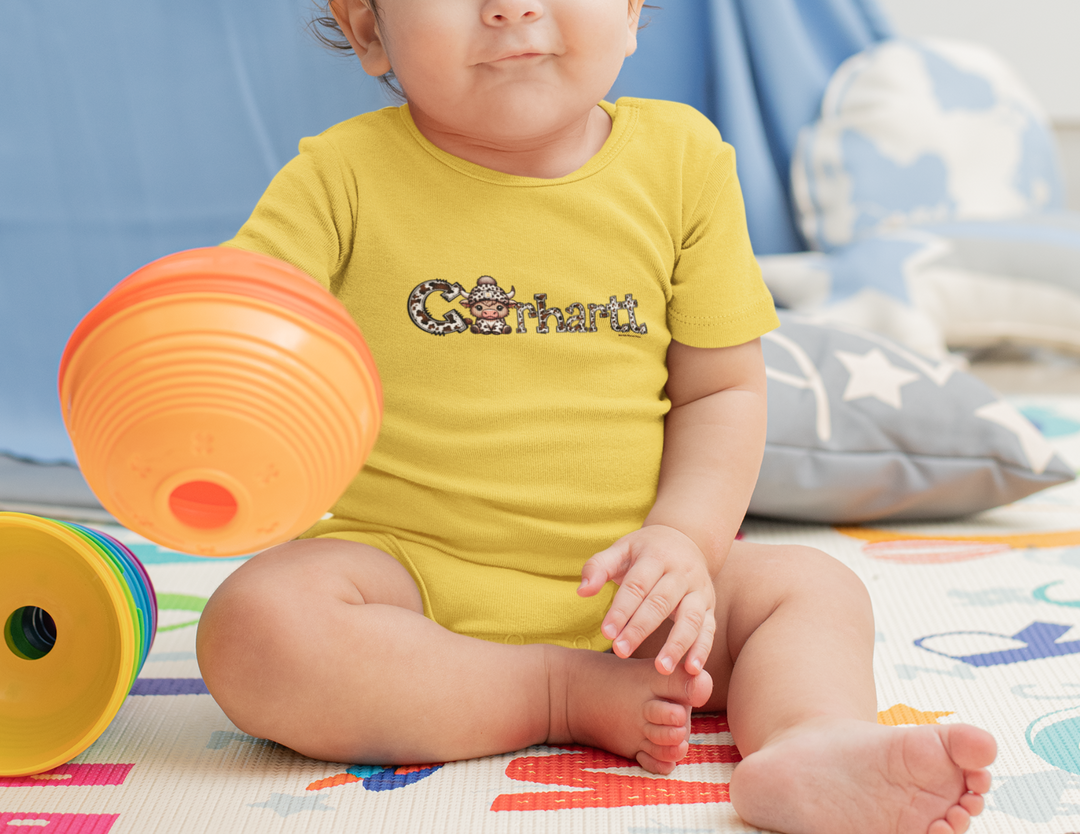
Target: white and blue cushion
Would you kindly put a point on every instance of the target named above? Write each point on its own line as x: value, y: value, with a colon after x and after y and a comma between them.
x: 922, y: 131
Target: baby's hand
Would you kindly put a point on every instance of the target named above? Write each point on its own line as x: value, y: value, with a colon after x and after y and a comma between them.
x: 661, y: 574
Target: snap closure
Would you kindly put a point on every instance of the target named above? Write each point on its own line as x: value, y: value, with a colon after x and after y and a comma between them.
x: 582, y: 642
x: 515, y: 640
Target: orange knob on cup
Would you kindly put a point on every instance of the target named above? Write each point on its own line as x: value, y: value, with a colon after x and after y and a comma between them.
x: 219, y: 401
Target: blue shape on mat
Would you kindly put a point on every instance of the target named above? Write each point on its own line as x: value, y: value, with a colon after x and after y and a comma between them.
x: 1050, y: 422
x: 1070, y: 557
x: 1041, y: 595
x: 285, y: 805
x: 1041, y: 640
x: 388, y: 779
x: 364, y: 771
x: 1020, y: 691
x: 909, y: 673
x: 169, y: 686
x: 1035, y: 797
x: 1055, y: 738
x: 220, y: 739
x: 989, y: 597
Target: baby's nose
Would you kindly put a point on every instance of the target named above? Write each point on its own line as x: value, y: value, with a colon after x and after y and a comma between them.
x: 503, y: 12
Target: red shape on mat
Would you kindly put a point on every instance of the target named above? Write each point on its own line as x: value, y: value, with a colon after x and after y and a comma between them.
x: 59, y: 823
x: 579, y: 769
x: 406, y: 769
x: 334, y: 781
x: 709, y: 723
x: 71, y: 774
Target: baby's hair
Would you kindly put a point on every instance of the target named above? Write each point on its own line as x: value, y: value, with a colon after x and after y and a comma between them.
x: 326, y: 29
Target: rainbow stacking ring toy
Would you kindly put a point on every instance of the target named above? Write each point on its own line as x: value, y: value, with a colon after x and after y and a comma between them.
x: 219, y: 401
x: 79, y: 616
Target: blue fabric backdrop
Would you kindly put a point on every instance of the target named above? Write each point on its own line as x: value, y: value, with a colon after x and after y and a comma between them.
x: 129, y: 130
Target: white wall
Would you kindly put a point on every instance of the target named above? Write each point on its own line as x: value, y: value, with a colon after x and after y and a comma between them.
x: 1039, y: 38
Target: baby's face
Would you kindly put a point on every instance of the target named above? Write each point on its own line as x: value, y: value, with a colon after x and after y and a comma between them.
x: 505, y: 70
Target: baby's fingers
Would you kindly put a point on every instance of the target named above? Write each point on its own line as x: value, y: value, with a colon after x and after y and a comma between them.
x: 691, y: 637
x: 645, y: 599
x: 606, y: 566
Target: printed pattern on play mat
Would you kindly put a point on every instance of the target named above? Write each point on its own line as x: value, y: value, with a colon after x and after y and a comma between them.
x: 978, y: 620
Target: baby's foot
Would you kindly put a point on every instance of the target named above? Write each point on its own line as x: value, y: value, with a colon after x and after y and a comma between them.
x: 625, y: 707
x: 843, y: 776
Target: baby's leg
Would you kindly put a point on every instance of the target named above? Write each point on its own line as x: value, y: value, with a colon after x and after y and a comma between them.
x: 322, y: 645
x: 793, y: 665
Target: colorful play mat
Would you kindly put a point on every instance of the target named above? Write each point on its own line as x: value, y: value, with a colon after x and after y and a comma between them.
x: 978, y: 620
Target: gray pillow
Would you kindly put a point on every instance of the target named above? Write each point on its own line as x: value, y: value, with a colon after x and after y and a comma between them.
x: 861, y: 429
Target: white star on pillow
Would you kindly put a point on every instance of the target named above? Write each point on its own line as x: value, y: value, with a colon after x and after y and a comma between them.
x: 873, y: 375
x: 1036, y: 448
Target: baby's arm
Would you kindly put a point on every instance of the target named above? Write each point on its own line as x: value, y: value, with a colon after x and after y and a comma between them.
x: 714, y: 438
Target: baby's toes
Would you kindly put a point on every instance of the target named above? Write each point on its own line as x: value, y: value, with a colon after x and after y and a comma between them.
x: 666, y: 752
x: 958, y: 818
x: 977, y: 781
x: 682, y: 688
x: 973, y: 803
x: 665, y: 735
x: 654, y: 765
x: 666, y: 713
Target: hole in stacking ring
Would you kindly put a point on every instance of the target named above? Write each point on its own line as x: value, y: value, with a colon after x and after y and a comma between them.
x: 30, y: 632
x: 203, y: 505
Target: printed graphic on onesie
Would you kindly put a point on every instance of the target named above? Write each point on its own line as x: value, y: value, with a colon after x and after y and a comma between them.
x: 489, y: 306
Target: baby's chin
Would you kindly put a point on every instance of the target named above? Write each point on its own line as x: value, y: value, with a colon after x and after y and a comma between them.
x: 512, y: 122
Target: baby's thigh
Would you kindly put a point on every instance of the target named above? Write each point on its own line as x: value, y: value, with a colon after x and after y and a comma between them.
x: 281, y: 599
x: 308, y: 572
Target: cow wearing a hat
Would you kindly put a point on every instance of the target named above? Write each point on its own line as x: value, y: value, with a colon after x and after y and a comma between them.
x: 490, y: 304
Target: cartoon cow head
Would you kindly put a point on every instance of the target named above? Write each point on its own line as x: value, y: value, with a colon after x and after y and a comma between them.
x: 488, y: 300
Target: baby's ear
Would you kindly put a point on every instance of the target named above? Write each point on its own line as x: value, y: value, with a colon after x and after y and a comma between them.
x: 360, y: 26
x: 633, y: 21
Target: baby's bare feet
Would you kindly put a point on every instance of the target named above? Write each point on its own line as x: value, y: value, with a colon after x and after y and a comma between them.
x: 843, y: 776
x: 624, y: 706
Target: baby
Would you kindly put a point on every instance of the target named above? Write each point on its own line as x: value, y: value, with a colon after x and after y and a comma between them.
x: 565, y: 310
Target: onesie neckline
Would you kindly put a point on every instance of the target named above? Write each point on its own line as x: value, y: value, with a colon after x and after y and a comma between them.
x: 623, y: 113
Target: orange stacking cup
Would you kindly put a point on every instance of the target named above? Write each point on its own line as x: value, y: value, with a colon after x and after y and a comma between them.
x: 219, y: 401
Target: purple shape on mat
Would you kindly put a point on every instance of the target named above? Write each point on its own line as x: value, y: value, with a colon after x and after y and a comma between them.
x: 169, y: 686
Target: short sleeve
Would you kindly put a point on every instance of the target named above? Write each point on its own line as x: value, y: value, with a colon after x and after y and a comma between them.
x: 718, y: 297
x: 306, y: 215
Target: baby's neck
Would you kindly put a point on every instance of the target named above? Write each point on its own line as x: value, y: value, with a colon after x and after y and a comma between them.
x: 548, y: 157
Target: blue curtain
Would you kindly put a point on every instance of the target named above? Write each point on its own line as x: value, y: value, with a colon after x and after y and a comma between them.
x: 129, y: 130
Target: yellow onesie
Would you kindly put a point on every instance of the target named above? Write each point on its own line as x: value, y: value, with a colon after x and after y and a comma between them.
x: 520, y: 327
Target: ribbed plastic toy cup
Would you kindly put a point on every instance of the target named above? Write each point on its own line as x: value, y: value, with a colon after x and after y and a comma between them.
x: 219, y: 401
x: 79, y: 615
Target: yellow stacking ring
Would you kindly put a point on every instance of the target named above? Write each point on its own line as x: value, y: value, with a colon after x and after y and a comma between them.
x: 79, y: 615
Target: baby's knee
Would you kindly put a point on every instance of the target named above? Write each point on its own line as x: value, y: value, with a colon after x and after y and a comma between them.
x: 825, y: 580
x: 250, y: 639
x: 234, y: 642
x: 800, y: 572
